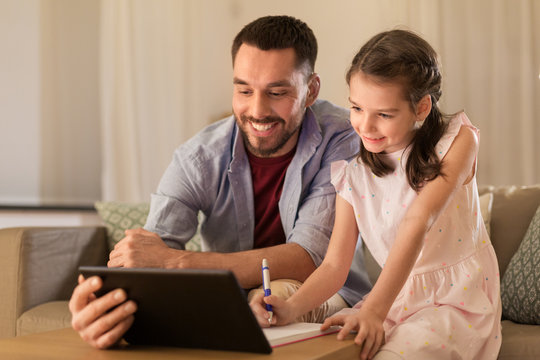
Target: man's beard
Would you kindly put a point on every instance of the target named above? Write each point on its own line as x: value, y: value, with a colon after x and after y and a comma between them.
x: 279, y: 143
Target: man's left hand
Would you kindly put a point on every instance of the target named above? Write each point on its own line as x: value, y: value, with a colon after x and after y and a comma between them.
x: 141, y: 248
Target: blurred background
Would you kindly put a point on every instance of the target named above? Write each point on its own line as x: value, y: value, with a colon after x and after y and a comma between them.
x: 96, y: 95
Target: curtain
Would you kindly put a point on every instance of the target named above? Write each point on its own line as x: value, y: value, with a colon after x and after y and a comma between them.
x: 142, y: 64
x: 166, y: 73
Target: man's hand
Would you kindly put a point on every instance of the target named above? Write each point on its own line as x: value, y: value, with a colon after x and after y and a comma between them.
x: 141, y: 248
x: 101, y: 322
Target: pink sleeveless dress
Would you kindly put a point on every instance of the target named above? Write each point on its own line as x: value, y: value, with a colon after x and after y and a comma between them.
x: 449, y: 307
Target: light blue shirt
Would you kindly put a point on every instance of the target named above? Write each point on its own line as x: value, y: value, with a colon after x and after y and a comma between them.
x: 211, y: 173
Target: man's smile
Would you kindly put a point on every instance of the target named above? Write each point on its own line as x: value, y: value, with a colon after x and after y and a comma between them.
x: 262, y: 127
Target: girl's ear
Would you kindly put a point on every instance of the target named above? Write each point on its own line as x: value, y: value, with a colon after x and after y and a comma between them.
x: 314, y: 86
x: 423, y: 108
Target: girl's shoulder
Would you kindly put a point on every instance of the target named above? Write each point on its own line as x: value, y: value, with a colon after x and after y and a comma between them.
x: 338, y: 170
x: 452, y: 130
x: 343, y: 173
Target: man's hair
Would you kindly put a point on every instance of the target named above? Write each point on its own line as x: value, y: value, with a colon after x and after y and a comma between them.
x: 279, y: 32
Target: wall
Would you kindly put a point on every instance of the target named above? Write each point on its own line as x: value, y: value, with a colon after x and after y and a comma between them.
x: 50, y: 132
x: 49, y: 123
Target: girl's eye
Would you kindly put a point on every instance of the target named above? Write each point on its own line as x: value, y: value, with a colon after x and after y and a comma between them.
x: 385, y: 116
x: 356, y: 108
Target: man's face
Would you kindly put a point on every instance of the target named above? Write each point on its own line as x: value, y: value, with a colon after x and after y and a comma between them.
x: 269, y: 100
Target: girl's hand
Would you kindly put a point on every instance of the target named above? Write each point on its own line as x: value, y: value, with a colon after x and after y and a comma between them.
x: 282, y: 312
x: 367, y: 325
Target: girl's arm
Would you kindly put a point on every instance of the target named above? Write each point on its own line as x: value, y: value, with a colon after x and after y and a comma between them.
x: 325, y: 281
x: 458, y: 168
x: 330, y: 276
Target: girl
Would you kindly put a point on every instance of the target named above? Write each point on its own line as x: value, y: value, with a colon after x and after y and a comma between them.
x: 412, y: 196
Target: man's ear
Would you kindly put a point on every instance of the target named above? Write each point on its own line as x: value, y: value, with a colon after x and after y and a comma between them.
x: 423, y: 108
x: 314, y: 85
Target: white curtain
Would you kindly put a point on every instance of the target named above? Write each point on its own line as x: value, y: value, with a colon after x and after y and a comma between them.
x: 165, y: 73
x: 142, y: 94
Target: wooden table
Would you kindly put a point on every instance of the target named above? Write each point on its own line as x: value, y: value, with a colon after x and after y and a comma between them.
x: 66, y: 344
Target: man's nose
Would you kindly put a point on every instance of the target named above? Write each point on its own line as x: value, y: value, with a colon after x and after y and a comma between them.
x: 260, y: 106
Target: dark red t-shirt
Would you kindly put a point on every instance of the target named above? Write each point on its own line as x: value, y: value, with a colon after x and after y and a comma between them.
x: 268, y: 175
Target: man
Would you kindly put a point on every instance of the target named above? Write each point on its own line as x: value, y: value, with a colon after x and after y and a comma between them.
x: 261, y: 179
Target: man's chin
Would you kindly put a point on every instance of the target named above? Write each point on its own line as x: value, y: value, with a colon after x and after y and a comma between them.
x: 263, y: 152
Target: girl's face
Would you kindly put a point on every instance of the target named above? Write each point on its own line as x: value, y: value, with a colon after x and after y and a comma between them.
x: 380, y: 115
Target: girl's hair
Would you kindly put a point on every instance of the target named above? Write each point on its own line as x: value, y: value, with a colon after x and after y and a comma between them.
x: 404, y: 57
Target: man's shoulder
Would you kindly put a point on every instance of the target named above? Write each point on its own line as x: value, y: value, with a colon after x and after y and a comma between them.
x: 329, y: 115
x: 333, y: 121
x: 214, y: 140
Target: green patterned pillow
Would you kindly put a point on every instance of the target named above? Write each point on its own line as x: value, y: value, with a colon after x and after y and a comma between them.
x: 119, y: 216
x: 520, y: 287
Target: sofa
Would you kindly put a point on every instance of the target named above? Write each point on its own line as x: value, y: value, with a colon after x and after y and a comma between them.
x: 38, y: 267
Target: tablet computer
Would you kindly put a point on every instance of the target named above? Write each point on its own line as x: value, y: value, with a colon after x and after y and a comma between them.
x: 195, y: 308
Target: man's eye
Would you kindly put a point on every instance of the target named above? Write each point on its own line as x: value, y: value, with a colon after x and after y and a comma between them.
x: 277, y: 94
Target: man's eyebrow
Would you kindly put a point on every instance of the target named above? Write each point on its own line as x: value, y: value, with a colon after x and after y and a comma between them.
x: 279, y: 83
x: 239, y: 81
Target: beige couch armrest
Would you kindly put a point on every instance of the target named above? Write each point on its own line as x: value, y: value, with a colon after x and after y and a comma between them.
x: 39, y: 265
x: 511, y: 213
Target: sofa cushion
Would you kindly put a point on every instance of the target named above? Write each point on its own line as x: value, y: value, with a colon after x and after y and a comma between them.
x: 520, y: 287
x: 120, y: 216
x: 519, y: 341
x: 512, y: 211
x: 49, y: 316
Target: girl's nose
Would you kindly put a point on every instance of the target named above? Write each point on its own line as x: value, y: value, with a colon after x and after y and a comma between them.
x: 366, y: 123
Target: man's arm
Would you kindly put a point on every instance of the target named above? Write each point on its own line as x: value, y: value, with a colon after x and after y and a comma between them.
x: 141, y: 248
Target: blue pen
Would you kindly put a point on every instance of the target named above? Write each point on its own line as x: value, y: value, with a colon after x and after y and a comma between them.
x: 266, y: 286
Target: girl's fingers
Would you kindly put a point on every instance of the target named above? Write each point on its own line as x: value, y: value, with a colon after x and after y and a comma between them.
x: 379, y: 337
x: 367, y: 346
x: 333, y: 320
x: 348, y: 326
x: 259, y: 310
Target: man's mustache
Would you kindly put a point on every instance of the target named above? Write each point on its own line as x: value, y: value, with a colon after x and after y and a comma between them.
x: 266, y: 120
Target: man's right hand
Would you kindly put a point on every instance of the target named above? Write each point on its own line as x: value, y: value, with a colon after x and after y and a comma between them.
x: 93, y: 318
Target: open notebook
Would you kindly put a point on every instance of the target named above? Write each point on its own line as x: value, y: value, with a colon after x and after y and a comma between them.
x: 295, y: 332
x: 194, y: 308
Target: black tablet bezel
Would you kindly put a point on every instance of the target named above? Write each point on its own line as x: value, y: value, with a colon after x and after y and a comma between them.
x: 194, y: 308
